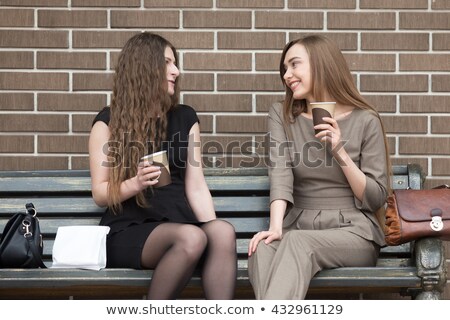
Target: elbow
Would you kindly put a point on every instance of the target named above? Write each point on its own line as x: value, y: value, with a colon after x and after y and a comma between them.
x: 101, y: 203
x: 99, y: 200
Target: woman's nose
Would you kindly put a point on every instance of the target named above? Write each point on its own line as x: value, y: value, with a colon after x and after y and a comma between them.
x: 287, y: 74
x: 175, y: 71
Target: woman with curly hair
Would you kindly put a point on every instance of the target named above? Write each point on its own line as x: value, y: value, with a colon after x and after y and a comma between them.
x: 172, y: 229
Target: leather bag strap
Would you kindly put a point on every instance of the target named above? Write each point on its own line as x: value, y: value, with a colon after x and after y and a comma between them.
x: 442, y: 186
x: 31, y: 243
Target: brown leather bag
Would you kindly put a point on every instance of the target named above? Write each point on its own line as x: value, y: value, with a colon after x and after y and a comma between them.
x: 413, y: 214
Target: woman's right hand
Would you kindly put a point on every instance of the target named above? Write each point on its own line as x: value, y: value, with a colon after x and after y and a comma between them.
x: 267, y: 236
x: 147, y: 175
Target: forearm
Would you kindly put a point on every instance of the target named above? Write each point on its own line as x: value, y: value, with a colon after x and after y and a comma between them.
x: 128, y: 189
x: 355, y: 177
x: 201, y: 202
x: 277, y: 211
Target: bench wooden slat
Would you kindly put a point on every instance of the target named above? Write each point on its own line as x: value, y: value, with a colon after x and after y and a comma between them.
x: 368, y: 277
x: 342, y: 277
x: 49, y: 226
x: 60, y: 185
x: 242, y: 249
x: 242, y: 262
x: 86, y: 206
x: 66, y: 206
x: 83, y: 184
x: 260, y: 171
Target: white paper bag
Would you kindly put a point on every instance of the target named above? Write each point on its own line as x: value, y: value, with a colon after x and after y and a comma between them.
x: 81, y: 247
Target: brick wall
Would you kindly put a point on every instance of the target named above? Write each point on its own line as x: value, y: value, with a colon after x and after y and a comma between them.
x: 57, y: 59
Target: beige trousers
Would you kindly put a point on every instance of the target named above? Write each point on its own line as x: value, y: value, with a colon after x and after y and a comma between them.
x: 283, y: 269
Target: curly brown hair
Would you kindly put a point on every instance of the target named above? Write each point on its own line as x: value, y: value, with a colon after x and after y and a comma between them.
x: 139, y: 105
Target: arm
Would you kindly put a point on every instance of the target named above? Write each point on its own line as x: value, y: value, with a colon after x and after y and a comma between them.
x: 275, y: 232
x: 281, y: 180
x: 197, y: 192
x: 374, y: 164
x: 368, y: 181
x: 98, y: 162
x: 355, y: 177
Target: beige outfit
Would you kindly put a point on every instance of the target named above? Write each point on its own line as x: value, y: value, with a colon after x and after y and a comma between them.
x: 325, y: 226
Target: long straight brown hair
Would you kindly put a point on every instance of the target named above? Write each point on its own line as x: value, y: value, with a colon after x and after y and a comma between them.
x: 330, y: 75
x: 139, y: 106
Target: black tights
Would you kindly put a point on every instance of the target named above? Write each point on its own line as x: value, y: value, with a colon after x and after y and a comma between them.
x: 173, y: 251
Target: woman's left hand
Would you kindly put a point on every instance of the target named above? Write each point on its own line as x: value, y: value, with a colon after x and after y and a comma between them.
x: 330, y: 134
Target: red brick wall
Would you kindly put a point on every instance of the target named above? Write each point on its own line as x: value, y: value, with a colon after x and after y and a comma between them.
x: 57, y: 59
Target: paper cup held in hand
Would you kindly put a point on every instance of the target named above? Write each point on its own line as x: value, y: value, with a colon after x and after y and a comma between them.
x: 320, y: 110
x: 160, y: 159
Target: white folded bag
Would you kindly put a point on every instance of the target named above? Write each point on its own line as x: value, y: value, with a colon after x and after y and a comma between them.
x: 82, y: 247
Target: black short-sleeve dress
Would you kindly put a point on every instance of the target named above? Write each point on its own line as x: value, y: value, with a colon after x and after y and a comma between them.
x: 131, y: 228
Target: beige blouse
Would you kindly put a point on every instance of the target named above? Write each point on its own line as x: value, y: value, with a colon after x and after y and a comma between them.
x: 304, y: 173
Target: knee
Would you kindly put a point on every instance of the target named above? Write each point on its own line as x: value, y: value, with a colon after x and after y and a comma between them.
x: 263, y: 249
x: 262, y: 256
x: 225, y: 229
x: 192, y: 241
x: 221, y: 233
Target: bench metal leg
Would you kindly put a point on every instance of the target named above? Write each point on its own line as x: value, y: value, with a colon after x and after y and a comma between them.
x: 431, y: 267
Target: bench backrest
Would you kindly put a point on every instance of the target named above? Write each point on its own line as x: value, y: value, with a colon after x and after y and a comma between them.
x: 241, y: 196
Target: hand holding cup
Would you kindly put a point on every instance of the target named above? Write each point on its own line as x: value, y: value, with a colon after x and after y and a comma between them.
x: 321, y: 110
x: 160, y: 159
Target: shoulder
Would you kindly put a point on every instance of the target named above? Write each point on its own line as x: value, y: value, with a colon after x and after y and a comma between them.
x: 104, y: 116
x: 183, y: 116
x: 183, y: 111
x: 276, y: 111
x: 366, y: 117
x: 276, y: 108
x: 368, y: 122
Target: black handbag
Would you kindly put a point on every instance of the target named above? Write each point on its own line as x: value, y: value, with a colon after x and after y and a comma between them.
x: 21, y: 244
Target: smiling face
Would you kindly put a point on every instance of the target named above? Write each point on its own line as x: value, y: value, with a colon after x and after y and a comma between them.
x: 172, y: 71
x: 297, y: 74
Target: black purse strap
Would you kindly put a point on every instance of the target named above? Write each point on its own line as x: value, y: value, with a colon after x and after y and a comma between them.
x: 32, y: 245
x: 31, y: 209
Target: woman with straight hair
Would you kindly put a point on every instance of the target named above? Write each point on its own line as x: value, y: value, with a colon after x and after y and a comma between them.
x: 172, y: 229
x: 325, y: 187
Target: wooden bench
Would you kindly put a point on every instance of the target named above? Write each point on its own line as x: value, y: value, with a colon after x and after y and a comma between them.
x: 241, y: 197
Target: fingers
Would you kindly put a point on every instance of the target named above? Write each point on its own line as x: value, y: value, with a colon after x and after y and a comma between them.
x: 332, y: 125
x: 326, y: 135
x: 148, y: 174
x: 269, y: 236
x: 332, y: 121
x: 254, y: 242
x: 330, y: 131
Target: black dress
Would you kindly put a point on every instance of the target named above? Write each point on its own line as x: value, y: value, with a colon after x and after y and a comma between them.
x: 131, y: 228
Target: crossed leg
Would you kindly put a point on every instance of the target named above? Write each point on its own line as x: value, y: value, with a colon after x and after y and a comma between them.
x: 172, y: 250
